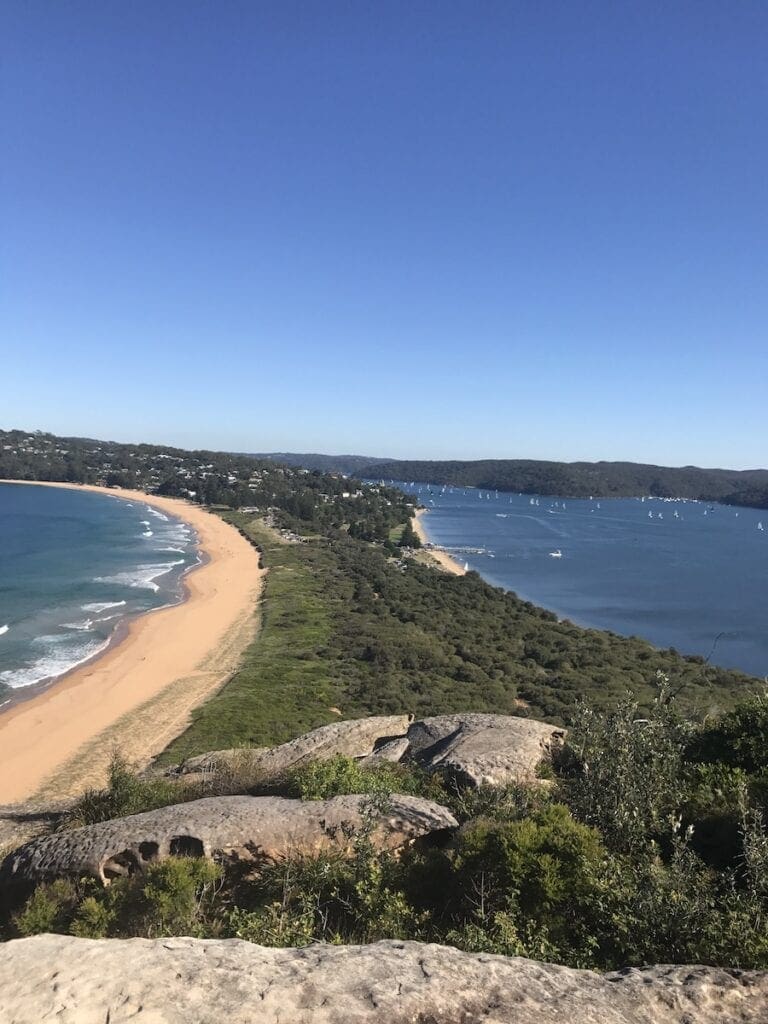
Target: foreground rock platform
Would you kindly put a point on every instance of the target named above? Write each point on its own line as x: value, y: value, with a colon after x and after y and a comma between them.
x: 248, y: 828
x: 193, y: 981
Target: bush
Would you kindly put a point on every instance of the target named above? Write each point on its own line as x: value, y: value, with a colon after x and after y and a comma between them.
x: 341, y: 775
x: 125, y: 793
x: 93, y: 919
x: 172, y: 897
x: 738, y: 739
x: 327, y: 898
x: 48, y: 909
x: 542, y: 871
x: 621, y: 771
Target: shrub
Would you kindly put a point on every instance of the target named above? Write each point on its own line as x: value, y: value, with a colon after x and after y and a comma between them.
x: 326, y: 898
x: 738, y: 739
x: 172, y: 897
x: 341, y: 775
x: 125, y: 793
x: 541, y: 870
x: 93, y: 918
x: 621, y: 771
x: 48, y: 909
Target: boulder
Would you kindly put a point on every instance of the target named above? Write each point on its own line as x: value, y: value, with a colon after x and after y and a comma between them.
x: 181, y: 980
x: 477, y: 749
x: 356, y: 737
x: 232, y: 827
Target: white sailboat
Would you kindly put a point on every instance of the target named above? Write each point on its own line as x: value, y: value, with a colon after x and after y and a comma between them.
x: 556, y: 554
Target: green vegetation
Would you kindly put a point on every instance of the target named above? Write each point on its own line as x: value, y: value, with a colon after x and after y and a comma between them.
x: 647, y: 844
x: 550, y: 873
x: 582, y: 479
x: 348, y: 627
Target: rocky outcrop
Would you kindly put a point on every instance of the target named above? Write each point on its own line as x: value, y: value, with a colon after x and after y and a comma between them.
x: 177, y: 981
x: 235, y: 827
x: 473, y: 748
x: 354, y: 738
x: 220, y: 760
x: 392, y: 751
x: 477, y: 749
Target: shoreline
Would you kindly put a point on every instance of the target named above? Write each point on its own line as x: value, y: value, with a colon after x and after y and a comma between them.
x: 136, y: 694
x: 444, y: 560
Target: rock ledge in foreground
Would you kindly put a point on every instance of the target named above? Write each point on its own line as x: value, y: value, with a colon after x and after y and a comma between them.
x: 177, y: 981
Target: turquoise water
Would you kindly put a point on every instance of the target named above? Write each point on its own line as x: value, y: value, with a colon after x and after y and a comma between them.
x: 681, y: 574
x: 74, y: 565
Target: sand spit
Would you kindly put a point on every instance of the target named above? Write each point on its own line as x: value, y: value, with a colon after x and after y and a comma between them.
x: 443, y: 559
x: 138, y: 695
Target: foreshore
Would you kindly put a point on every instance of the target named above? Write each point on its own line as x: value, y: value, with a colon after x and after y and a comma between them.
x: 137, y: 695
x: 444, y: 560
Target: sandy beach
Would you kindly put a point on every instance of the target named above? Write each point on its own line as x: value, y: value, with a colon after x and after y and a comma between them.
x: 138, y: 695
x: 444, y: 560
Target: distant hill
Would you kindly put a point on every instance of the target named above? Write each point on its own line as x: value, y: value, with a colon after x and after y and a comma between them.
x: 582, y: 479
x: 570, y: 479
x: 349, y: 465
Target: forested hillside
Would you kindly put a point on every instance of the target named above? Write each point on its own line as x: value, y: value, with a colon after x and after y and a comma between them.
x: 582, y: 479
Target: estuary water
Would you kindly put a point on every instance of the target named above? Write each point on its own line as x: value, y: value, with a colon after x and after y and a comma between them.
x: 74, y: 565
x: 682, y: 574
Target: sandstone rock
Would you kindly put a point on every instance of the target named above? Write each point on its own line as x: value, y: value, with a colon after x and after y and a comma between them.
x: 183, y: 980
x: 478, y: 748
x: 220, y: 760
x: 234, y: 827
x: 354, y: 738
x: 393, y: 751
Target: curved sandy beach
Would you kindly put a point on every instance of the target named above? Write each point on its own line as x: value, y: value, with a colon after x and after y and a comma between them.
x: 138, y: 695
x: 443, y: 559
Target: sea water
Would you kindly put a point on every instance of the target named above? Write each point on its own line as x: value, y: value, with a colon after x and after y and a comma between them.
x: 74, y: 565
x: 684, y: 574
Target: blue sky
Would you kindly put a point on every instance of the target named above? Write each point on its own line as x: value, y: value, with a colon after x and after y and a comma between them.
x: 517, y: 229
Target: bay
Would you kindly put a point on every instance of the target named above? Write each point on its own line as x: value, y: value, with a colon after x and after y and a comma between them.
x: 682, y: 574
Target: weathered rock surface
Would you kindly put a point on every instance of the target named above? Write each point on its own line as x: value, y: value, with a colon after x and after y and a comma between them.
x: 474, y: 748
x: 236, y: 827
x: 393, y: 751
x: 180, y: 981
x: 219, y: 760
x: 354, y: 738
x: 483, y: 749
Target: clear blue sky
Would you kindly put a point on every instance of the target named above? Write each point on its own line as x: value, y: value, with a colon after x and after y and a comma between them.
x: 510, y: 229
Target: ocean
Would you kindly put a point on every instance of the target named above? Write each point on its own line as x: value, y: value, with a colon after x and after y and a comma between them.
x: 74, y: 566
x: 682, y: 574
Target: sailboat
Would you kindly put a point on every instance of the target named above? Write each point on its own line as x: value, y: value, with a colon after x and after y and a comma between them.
x: 760, y: 526
x: 556, y: 554
x: 466, y: 567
